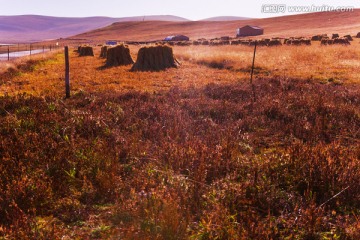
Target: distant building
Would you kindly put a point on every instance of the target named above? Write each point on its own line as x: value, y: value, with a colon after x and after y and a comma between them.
x: 249, y: 31
x: 111, y: 42
x: 177, y: 38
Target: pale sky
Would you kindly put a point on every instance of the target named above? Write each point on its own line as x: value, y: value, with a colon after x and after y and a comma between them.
x: 191, y: 9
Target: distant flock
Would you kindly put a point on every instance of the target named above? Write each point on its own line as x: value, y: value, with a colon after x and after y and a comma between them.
x: 297, y: 41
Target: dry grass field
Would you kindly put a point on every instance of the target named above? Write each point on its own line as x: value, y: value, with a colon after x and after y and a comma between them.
x: 285, y: 26
x: 200, y: 65
x: 185, y: 153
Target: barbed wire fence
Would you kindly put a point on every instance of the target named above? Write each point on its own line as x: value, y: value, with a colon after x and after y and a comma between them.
x: 11, y: 51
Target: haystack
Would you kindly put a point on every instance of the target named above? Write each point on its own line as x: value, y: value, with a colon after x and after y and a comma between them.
x: 119, y: 55
x: 85, y: 51
x: 155, y: 59
x: 358, y: 35
x: 103, y: 52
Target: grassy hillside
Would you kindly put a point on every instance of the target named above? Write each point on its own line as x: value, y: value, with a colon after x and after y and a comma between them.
x: 286, y: 26
x: 186, y: 153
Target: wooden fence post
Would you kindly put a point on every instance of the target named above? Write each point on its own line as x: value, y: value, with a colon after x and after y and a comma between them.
x: 252, y: 72
x: 30, y: 49
x: 67, y: 72
x: 8, y: 53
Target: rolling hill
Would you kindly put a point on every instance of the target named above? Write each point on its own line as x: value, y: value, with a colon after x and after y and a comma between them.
x: 32, y: 28
x: 285, y: 26
x: 225, y: 18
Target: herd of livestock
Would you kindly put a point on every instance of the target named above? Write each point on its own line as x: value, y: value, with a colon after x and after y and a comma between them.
x: 297, y: 41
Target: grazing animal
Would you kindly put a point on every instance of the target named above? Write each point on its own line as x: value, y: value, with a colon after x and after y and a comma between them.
x: 348, y: 37
x: 235, y: 42
x: 274, y: 42
x: 319, y: 37
x: 205, y: 42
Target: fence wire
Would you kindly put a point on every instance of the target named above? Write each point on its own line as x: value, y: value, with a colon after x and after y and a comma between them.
x: 10, y: 52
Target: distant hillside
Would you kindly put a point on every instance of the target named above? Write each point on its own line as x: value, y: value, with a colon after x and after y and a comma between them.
x: 31, y: 28
x: 225, y: 18
x: 284, y: 26
x: 169, y: 18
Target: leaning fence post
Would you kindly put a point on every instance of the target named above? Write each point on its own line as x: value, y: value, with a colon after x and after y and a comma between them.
x: 252, y: 72
x: 67, y: 72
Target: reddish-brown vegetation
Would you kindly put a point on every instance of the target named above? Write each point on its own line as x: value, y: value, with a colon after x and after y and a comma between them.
x: 184, y: 153
x: 205, y: 163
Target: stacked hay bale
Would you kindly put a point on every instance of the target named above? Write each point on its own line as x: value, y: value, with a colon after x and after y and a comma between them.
x: 103, y: 52
x: 117, y: 56
x: 85, y: 51
x: 155, y: 59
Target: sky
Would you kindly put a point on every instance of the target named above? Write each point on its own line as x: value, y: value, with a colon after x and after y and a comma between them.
x: 190, y: 9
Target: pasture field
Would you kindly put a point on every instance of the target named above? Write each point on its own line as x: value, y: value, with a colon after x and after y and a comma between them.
x: 184, y: 153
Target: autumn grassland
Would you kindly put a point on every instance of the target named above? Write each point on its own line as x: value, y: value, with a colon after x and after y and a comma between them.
x: 185, y: 153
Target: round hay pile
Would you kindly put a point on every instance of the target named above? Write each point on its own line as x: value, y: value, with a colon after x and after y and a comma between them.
x: 103, y: 52
x: 155, y: 59
x: 358, y: 35
x: 85, y: 51
x: 119, y: 55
